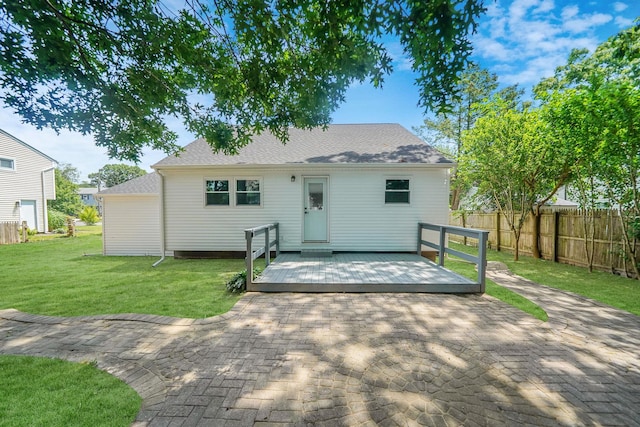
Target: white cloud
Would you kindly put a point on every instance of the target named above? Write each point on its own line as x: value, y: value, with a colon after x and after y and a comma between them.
x: 586, y: 23
x: 619, y: 6
x: 545, y: 6
x: 622, y: 22
x: 525, y: 40
x: 569, y: 12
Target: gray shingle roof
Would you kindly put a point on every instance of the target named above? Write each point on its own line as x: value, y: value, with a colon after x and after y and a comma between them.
x: 145, y: 184
x: 355, y: 143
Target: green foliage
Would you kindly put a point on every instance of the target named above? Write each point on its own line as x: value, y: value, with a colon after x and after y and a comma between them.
x: 120, y: 71
x: 445, y: 131
x: 57, y: 219
x: 112, y: 175
x: 238, y: 283
x: 89, y: 215
x: 40, y: 391
x: 70, y: 172
x: 67, y: 199
x: 512, y: 159
x: 594, y: 103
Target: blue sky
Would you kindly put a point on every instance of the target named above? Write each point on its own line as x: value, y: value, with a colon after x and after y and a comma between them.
x: 521, y: 41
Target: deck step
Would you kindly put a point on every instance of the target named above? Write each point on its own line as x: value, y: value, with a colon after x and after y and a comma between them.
x: 313, y: 253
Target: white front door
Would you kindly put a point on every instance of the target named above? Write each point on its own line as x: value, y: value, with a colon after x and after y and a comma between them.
x: 316, y: 214
x: 28, y: 213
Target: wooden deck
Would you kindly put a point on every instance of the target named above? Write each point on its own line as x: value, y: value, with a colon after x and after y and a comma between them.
x: 359, y: 272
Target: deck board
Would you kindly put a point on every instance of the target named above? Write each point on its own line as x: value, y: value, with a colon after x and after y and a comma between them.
x: 359, y: 272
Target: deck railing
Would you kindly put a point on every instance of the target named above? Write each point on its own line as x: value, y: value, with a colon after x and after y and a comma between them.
x: 480, y: 260
x: 265, y: 249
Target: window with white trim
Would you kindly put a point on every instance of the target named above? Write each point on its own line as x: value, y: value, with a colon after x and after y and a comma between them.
x: 217, y: 192
x: 397, y: 191
x: 7, y: 164
x: 248, y: 192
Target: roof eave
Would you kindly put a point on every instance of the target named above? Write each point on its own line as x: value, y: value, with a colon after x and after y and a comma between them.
x: 443, y: 165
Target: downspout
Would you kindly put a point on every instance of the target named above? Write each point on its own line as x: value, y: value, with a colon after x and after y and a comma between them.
x: 162, y: 233
x: 45, y: 214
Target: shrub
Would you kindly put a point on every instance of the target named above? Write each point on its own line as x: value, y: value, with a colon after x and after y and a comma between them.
x: 238, y: 283
x: 89, y: 215
x: 57, y: 219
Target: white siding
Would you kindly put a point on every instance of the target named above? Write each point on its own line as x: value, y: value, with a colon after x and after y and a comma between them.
x: 25, y: 182
x: 131, y: 225
x: 359, y: 220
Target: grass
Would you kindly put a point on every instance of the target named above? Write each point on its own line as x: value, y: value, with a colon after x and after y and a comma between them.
x: 467, y: 269
x: 616, y: 291
x: 61, y: 276
x: 38, y: 392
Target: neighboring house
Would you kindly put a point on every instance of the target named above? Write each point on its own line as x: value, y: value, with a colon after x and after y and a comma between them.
x: 87, y: 195
x: 27, y: 181
x: 360, y: 187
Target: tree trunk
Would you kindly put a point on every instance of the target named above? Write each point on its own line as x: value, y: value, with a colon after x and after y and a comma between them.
x: 516, y: 252
x: 455, y: 199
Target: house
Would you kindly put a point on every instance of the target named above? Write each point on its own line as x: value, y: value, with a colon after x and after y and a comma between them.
x: 87, y: 195
x: 27, y: 181
x: 361, y: 187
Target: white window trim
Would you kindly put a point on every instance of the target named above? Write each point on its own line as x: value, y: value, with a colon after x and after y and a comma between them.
x: 384, y: 190
x: 205, y: 192
x: 247, y: 178
x: 12, y: 160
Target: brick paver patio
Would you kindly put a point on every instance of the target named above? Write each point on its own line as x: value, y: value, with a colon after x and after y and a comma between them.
x: 363, y: 359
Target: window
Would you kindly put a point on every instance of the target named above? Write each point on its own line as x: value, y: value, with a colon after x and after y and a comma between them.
x: 217, y: 192
x: 247, y: 192
x: 396, y: 191
x: 7, y: 164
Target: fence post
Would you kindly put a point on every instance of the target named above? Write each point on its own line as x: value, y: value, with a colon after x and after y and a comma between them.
x: 441, y: 243
x: 556, y: 223
x: 248, y: 235
x: 482, y: 258
x: 267, y: 247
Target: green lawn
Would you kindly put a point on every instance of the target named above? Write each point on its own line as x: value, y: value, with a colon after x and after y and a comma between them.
x: 610, y: 289
x: 63, y: 276
x: 467, y: 269
x: 47, y: 392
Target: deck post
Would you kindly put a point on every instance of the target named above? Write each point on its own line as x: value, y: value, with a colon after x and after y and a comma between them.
x: 419, y: 250
x: 442, y: 245
x: 482, y: 258
x: 277, y: 227
x: 267, y: 247
x: 248, y: 234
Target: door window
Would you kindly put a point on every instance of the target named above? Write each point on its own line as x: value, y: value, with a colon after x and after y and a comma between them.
x: 316, y: 196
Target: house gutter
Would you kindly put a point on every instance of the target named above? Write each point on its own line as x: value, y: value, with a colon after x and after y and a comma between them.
x: 45, y: 214
x: 162, y: 233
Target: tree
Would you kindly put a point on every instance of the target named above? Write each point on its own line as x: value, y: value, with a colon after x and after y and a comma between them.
x: 511, y: 158
x: 69, y: 172
x: 594, y: 101
x: 227, y: 68
x: 67, y: 199
x: 112, y: 175
x: 445, y: 131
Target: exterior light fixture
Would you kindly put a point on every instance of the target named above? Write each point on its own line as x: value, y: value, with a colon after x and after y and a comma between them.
x: 293, y: 178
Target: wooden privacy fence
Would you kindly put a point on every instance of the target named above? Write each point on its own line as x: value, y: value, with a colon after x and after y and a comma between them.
x: 562, y: 236
x: 9, y: 232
